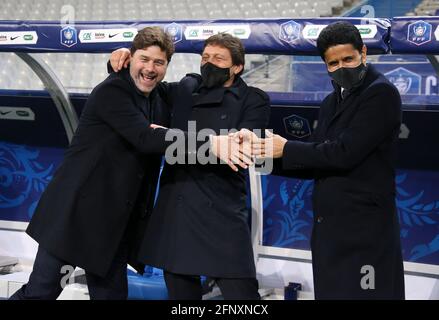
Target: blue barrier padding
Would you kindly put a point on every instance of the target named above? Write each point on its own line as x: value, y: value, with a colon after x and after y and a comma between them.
x: 45, y: 128
x: 417, y: 35
x: 271, y: 36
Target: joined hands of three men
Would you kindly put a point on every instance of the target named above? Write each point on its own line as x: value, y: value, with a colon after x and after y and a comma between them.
x: 241, y: 148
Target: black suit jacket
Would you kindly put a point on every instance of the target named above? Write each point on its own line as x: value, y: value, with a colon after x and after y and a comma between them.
x: 106, y: 183
x: 351, y: 155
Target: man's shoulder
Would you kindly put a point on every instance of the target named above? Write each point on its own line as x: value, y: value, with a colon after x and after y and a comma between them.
x: 259, y: 94
x: 381, y: 83
x: 329, y: 98
x: 114, y: 82
x: 189, y: 83
x: 384, y: 93
x: 192, y: 77
x: 191, y: 80
x: 114, y: 91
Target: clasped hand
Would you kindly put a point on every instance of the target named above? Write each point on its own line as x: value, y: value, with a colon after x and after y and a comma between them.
x: 243, y: 147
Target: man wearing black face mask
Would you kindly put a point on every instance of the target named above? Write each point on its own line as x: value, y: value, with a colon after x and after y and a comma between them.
x: 200, y: 223
x: 214, y: 76
x: 355, y: 243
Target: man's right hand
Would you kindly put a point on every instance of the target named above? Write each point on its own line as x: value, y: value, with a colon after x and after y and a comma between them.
x: 231, y: 151
x: 120, y: 58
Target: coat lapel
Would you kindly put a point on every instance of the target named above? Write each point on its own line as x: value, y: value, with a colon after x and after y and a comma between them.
x: 141, y: 99
x: 204, y: 97
x: 343, y: 104
x: 215, y: 96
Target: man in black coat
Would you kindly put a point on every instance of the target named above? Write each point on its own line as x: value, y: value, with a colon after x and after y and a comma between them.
x: 94, y: 211
x: 355, y: 241
x: 200, y: 224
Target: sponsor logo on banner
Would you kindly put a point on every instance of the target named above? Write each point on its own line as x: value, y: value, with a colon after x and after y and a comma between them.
x: 419, y: 32
x: 289, y: 31
x: 69, y: 36
x: 193, y: 33
x: 107, y: 35
x: 297, y: 126
x: 175, y: 30
x: 367, y: 31
x: 237, y: 32
x: 208, y: 32
x: 407, y: 82
x: 18, y: 37
x: 86, y: 36
x: 202, y: 32
x: 14, y: 113
x: 312, y: 31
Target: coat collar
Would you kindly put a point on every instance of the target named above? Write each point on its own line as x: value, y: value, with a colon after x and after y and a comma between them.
x: 371, y: 76
x: 141, y: 98
x: 204, y: 96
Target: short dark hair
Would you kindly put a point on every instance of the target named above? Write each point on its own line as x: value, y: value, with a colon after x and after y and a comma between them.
x: 153, y: 36
x: 233, y: 44
x: 341, y: 32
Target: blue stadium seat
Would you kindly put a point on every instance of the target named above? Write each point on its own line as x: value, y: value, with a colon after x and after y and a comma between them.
x: 149, y: 286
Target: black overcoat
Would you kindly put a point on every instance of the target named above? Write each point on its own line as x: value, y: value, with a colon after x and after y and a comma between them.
x: 200, y: 224
x: 351, y: 156
x: 106, y: 183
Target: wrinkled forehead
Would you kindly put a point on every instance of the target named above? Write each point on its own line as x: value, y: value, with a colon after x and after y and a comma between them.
x: 153, y: 51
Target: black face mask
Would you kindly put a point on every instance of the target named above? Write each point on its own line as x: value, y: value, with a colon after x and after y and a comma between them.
x: 214, y: 76
x: 349, y: 77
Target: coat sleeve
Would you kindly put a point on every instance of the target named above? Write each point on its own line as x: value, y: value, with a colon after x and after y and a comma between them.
x: 169, y: 90
x: 257, y: 116
x: 298, y: 173
x: 377, y: 117
x: 115, y: 106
